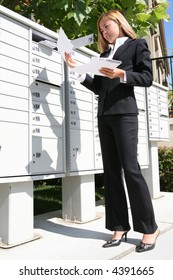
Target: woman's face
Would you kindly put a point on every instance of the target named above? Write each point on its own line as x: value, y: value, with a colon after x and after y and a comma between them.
x: 110, y: 29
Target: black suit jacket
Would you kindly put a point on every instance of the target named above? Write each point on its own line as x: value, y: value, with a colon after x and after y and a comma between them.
x: 118, y: 98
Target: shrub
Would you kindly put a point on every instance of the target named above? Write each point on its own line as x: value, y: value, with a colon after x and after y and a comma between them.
x: 166, y: 168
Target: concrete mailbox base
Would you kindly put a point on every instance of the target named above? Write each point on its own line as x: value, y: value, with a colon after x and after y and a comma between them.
x: 78, y: 198
x: 16, y: 213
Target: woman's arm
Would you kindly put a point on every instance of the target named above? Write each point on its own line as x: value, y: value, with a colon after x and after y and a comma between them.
x: 89, y: 82
x: 142, y: 68
x: 113, y: 73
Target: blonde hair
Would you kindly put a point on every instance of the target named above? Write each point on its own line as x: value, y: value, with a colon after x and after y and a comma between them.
x: 123, y: 24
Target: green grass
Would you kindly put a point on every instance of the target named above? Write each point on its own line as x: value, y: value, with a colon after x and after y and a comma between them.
x: 48, y: 196
x: 47, y: 199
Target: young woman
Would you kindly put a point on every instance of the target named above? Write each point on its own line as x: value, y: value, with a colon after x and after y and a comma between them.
x: 118, y: 128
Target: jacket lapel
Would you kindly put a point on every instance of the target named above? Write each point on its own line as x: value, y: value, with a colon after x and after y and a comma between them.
x: 122, y: 49
x: 106, y: 53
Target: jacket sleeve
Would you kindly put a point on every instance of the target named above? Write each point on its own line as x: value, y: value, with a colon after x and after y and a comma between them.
x: 142, y: 66
x: 93, y: 84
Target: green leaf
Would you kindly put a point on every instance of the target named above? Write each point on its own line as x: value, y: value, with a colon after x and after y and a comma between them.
x: 80, y: 16
x: 142, y: 17
x: 160, y: 13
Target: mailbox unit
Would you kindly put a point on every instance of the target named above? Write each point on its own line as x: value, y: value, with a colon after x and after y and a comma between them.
x: 158, y: 113
x: 83, y: 146
x: 32, y: 140
x: 14, y: 97
x: 158, y: 130
x: 47, y: 116
x: 31, y: 102
x: 143, y: 156
x: 48, y: 124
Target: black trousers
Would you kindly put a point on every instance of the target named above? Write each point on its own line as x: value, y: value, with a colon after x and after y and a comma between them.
x: 119, y: 138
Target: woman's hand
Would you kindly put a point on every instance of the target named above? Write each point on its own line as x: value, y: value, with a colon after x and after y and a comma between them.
x: 112, y: 73
x: 70, y: 61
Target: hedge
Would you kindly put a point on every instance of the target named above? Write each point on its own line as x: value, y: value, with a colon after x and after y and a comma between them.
x: 166, y: 168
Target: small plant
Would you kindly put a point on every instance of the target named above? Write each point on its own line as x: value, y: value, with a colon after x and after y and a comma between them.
x: 166, y: 168
x: 48, y: 194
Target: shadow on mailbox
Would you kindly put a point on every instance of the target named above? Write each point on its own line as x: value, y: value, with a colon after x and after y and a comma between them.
x: 47, y: 126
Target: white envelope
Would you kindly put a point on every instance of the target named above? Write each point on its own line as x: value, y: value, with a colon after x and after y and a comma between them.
x: 63, y: 43
x: 95, y: 64
x: 66, y: 45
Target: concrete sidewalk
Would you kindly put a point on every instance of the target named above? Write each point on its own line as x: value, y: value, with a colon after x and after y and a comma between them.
x: 62, y: 240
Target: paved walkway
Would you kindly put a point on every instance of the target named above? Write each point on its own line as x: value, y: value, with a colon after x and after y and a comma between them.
x: 62, y: 240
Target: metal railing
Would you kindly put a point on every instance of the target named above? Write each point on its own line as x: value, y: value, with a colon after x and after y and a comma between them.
x: 163, y: 74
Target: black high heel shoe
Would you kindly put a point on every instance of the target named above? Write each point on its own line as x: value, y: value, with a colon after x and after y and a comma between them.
x: 115, y: 242
x: 143, y: 247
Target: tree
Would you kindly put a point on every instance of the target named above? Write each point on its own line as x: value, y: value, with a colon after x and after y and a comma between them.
x: 79, y: 17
